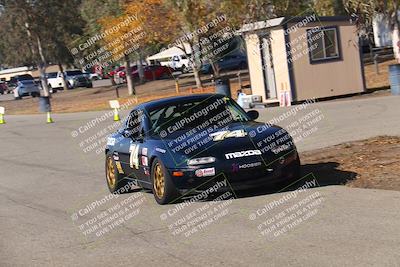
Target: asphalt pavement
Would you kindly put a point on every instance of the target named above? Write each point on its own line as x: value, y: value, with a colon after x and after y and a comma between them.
x: 51, y: 174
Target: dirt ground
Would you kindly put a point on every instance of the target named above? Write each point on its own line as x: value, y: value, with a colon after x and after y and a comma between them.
x: 371, y: 163
x: 381, y: 80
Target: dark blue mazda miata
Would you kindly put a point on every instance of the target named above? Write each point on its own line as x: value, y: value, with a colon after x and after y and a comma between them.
x: 182, y: 144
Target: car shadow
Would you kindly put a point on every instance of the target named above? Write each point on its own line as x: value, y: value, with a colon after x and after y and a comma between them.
x: 325, y: 174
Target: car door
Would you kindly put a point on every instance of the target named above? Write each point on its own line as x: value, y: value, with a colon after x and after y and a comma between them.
x: 158, y: 71
x: 233, y: 62
x: 148, y: 73
x: 131, y: 145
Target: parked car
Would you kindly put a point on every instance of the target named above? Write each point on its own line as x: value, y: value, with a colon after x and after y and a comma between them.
x: 121, y: 73
x: 23, y: 85
x: 95, y: 76
x: 180, y: 62
x: 51, y: 80
x: 153, y: 72
x: 26, y: 88
x: 92, y: 76
x: 74, y: 78
x: 177, y: 62
x: 230, y: 62
x: 116, y: 70
x: 12, y: 83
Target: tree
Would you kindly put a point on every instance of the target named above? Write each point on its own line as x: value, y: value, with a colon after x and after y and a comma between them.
x: 153, y: 24
x: 329, y: 7
x: 158, y: 22
x: 64, y: 25
x: 32, y: 22
x: 364, y: 11
x: 33, y: 37
x: 190, y: 16
x: 118, y: 42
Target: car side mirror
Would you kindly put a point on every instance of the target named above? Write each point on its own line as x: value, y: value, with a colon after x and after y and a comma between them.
x: 133, y: 133
x: 129, y: 133
x: 253, y: 114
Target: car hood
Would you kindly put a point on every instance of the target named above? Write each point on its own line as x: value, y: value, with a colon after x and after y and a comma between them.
x: 76, y: 76
x: 258, y: 136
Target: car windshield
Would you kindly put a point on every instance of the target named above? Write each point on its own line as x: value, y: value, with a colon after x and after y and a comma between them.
x: 25, y: 77
x: 52, y: 75
x: 74, y: 72
x: 27, y: 82
x: 190, y: 114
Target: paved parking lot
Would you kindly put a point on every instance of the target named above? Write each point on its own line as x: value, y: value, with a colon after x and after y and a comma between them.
x: 98, y: 83
x: 46, y: 178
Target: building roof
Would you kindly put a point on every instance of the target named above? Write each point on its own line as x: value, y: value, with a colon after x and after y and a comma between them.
x: 14, y: 70
x: 265, y: 24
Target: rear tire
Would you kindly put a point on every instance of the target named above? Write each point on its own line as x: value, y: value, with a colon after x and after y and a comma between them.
x: 164, y: 190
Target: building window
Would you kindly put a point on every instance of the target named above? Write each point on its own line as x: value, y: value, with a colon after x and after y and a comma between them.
x: 323, y: 44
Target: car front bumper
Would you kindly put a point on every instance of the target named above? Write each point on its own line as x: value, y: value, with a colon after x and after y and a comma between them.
x: 283, y: 169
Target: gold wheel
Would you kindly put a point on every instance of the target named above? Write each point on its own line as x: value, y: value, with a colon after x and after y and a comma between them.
x: 159, y: 181
x: 111, y: 179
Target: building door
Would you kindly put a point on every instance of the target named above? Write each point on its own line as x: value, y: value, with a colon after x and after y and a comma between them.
x: 268, y: 66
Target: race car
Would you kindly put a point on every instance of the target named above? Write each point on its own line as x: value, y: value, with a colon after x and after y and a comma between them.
x: 179, y: 145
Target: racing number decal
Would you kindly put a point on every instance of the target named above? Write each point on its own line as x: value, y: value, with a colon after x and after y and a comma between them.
x: 219, y: 136
x: 134, y: 156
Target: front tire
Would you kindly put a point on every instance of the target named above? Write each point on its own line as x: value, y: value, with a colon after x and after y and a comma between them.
x: 70, y: 86
x: 164, y: 190
x: 115, y: 181
x: 184, y: 69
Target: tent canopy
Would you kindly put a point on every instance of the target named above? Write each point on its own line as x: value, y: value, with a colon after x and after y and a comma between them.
x: 170, y: 52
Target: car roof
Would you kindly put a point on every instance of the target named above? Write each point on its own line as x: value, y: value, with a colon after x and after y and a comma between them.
x: 167, y: 101
x: 22, y: 76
